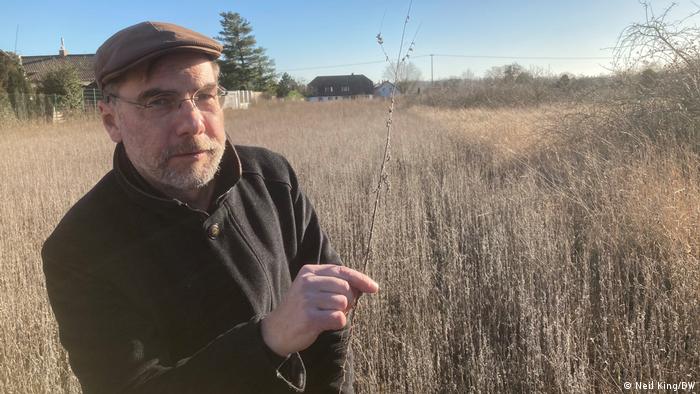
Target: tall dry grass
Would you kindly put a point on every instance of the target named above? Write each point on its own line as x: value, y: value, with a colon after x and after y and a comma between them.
x: 43, y: 170
x: 517, y: 249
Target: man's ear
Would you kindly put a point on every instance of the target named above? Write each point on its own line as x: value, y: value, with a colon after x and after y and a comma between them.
x: 110, y: 121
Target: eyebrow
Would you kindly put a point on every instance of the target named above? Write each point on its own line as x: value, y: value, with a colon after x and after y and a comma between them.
x: 208, y: 86
x: 154, y: 92
x: 157, y: 91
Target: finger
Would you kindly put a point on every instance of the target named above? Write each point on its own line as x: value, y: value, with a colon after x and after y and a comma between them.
x: 329, y: 320
x: 332, y: 302
x: 357, y: 280
x: 331, y: 285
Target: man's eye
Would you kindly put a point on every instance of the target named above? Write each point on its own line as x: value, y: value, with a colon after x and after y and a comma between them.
x: 161, y: 102
x: 204, y: 97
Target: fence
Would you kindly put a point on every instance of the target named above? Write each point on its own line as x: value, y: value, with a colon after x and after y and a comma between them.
x: 240, y: 99
x: 23, y: 106
x: 52, y: 107
x: 90, y: 99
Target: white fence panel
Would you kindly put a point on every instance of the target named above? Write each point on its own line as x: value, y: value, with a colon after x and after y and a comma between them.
x: 240, y: 99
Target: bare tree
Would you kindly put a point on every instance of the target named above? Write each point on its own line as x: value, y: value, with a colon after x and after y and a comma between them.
x: 674, y: 45
x: 658, y: 39
x: 408, y: 76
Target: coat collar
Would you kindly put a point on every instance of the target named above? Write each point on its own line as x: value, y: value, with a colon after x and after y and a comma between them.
x: 140, y: 191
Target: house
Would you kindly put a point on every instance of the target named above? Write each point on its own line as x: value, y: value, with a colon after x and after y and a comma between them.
x: 36, y: 67
x: 340, y: 87
x: 384, y: 89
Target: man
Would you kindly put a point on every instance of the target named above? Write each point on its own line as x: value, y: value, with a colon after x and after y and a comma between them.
x: 174, y: 273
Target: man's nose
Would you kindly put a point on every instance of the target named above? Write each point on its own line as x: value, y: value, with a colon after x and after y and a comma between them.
x: 189, y: 117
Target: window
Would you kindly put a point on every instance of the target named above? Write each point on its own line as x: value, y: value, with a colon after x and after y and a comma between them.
x: 345, y: 88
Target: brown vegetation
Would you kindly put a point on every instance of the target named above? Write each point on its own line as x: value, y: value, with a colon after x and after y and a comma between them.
x: 550, y: 249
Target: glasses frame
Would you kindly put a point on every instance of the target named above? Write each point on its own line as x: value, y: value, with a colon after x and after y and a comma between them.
x: 220, y: 92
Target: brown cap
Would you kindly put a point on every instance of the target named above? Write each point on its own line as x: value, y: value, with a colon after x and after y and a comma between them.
x: 145, y: 41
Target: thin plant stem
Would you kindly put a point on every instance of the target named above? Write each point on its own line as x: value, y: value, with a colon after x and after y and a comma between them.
x: 383, y: 179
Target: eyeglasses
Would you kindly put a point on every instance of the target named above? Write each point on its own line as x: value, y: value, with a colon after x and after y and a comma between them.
x: 206, y: 99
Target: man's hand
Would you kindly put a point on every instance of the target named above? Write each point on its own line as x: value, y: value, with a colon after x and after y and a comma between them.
x: 318, y: 300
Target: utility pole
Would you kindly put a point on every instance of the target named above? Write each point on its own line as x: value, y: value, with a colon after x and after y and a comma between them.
x: 16, y: 35
x: 431, y: 70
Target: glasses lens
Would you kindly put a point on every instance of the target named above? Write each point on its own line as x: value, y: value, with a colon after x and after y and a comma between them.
x: 221, y: 93
x: 207, y: 100
x: 161, y: 105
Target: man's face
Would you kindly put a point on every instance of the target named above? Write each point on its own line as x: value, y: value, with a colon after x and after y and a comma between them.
x: 179, y: 150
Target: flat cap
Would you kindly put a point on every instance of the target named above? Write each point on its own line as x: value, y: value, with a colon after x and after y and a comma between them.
x: 144, y: 41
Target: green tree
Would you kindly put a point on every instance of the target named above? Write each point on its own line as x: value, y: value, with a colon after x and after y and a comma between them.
x: 285, y: 85
x: 244, y: 65
x: 295, y: 95
x: 12, y: 77
x: 13, y: 83
x: 289, y: 87
x: 64, y: 83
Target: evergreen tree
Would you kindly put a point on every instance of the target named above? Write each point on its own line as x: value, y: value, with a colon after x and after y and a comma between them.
x: 285, y: 85
x: 245, y: 65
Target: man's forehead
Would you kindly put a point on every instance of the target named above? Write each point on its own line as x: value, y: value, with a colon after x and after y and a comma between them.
x: 170, y: 71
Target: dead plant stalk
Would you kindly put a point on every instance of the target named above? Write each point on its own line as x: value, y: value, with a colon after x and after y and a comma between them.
x: 383, y: 179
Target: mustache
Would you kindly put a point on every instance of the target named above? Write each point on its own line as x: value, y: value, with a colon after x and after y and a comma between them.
x: 192, y: 145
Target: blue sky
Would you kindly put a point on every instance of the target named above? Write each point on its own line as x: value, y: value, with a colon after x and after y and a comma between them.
x: 303, y: 36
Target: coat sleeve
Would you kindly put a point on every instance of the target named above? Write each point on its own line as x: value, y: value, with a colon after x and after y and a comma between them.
x: 328, y: 366
x: 114, y: 349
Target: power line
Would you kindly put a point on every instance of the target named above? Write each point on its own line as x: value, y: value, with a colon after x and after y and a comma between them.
x: 520, y: 57
x: 454, y: 55
x: 16, y: 35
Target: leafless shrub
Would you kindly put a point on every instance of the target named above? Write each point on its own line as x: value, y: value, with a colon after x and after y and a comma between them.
x: 657, y: 40
x: 499, y: 91
x: 673, y: 46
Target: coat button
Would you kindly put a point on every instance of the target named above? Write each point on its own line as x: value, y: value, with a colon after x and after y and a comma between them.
x: 213, y: 231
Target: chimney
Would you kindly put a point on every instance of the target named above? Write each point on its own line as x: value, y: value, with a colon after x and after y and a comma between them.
x: 62, y: 51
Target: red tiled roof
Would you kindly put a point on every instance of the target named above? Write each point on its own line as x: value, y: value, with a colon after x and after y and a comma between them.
x: 37, y: 66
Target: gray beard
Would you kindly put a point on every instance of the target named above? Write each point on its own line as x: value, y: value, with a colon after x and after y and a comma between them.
x: 193, y: 178
x: 173, y: 179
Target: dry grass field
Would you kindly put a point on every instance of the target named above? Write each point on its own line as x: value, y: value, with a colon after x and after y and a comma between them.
x: 518, y: 250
